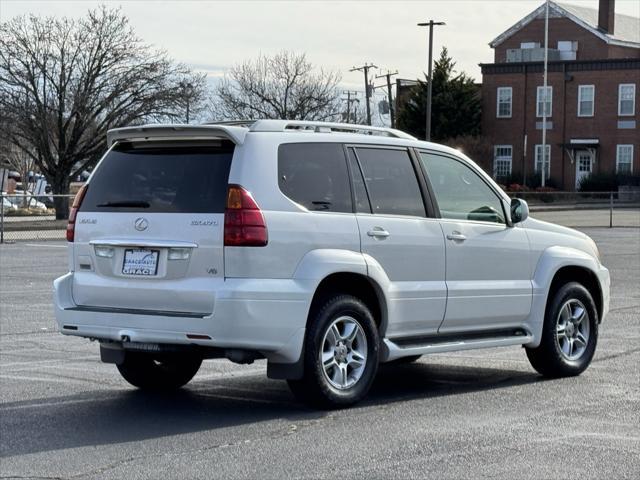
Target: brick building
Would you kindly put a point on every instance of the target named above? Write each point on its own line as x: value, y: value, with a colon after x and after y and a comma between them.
x: 592, y: 106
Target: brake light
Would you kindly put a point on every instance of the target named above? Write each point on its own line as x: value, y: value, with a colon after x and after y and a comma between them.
x: 77, y: 201
x: 244, y: 224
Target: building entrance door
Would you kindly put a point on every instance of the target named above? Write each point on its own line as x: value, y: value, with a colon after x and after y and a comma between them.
x: 584, y: 165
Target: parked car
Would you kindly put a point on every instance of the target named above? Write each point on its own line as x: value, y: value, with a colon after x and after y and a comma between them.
x: 7, y: 204
x: 26, y: 200
x: 325, y: 248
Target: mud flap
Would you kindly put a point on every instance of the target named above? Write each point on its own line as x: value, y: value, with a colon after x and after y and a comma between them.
x: 112, y: 354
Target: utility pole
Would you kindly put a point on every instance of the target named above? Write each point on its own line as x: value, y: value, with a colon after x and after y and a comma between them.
x: 367, y: 91
x: 429, y: 24
x: 388, y: 75
x: 349, y: 101
x: 187, y: 89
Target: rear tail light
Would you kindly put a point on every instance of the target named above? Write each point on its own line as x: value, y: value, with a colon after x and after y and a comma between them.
x: 244, y: 224
x: 77, y: 201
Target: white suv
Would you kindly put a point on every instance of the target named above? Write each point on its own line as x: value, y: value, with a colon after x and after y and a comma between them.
x: 325, y: 248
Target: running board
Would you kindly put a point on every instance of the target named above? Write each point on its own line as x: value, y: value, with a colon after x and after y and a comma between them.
x: 403, y: 347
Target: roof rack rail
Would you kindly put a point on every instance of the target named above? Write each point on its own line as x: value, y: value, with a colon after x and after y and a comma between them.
x: 324, y: 127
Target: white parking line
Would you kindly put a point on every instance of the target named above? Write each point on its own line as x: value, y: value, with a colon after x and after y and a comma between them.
x: 53, y: 404
x: 40, y: 362
x: 41, y: 379
x: 244, y: 399
x: 44, y: 245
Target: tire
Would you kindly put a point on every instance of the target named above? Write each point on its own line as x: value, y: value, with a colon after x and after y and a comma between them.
x: 569, y: 333
x: 351, y: 354
x: 166, y: 372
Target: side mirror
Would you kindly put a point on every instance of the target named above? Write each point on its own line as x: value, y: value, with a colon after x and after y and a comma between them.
x: 519, y: 210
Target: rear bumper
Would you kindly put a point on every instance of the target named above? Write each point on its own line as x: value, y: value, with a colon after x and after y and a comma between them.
x: 267, y: 315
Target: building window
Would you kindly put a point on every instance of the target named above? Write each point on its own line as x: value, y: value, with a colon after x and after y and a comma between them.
x: 567, y: 49
x: 586, y: 100
x: 547, y: 159
x: 624, y: 159
x: 627, y: 99
x: 502, y: 160
x: 544, y: 101
x: 505, y: 95
x: 527, y: 45
x: 567, y: 46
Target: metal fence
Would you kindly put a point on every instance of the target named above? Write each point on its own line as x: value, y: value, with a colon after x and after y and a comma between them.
x: 585, y: 209
x: 32, y: 217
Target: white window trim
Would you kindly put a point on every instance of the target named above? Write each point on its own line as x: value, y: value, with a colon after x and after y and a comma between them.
x: 495, y: 158
x: 498, y: 102
x: 538, y: 147
x: 593, y: 101
x: 618, y: 148
x: 538, y: 110
x: 633, y: 110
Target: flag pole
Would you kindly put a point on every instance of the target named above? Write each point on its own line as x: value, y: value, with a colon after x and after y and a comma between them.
x: 545, y: 98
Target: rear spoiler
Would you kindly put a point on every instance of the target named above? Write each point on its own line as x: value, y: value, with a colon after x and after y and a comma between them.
x: 192, y: 132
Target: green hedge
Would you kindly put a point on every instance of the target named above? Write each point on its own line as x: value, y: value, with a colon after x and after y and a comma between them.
x: 607, y: 182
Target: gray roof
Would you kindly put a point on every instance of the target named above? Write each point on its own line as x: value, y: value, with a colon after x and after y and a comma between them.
x: 626, y: 28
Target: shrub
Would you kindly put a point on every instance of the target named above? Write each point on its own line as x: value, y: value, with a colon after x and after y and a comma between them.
x: 507, y: 179
x: 516, y: 187
x: 535, y: 181
x: 607, y: 182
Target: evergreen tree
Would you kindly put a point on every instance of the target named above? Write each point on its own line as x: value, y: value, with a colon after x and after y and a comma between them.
x: 455, y: 104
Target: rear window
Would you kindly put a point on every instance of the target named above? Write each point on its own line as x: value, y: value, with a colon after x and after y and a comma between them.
x: 315, y: 175
x: 161, y: 178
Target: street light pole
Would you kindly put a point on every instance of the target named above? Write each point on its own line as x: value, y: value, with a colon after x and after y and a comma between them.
x: 429, y: 24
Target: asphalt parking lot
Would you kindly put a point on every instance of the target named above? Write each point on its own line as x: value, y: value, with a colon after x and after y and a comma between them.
x: 63, y: 414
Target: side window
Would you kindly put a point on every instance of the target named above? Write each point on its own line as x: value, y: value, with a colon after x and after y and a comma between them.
x: 359, y: 189
x: 391, y: 182
x: 315, y: 176
x: 460, y: 192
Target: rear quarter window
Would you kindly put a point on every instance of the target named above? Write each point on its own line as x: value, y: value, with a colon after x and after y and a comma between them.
x: 315, y: 176
x: 161, y: 178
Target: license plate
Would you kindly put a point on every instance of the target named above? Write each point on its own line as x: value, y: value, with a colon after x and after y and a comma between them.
x: 140, y: 262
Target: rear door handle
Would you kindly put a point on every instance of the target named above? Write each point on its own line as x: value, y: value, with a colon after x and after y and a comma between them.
x: 378, y: 232
x: 456, y: 236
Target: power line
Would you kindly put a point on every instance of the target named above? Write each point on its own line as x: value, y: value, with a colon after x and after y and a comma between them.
x: 367, y: 89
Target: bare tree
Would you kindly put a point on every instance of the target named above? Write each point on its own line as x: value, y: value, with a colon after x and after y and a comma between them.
x: 283, y: 86
x: 65, y: 82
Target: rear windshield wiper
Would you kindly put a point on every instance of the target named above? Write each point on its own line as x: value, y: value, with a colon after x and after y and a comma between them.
x: 126, y: 204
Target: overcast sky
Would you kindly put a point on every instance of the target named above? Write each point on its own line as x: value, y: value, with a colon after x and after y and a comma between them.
x: 211, y: 35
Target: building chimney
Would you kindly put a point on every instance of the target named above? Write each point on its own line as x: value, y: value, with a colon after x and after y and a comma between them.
x: 607, y: 16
